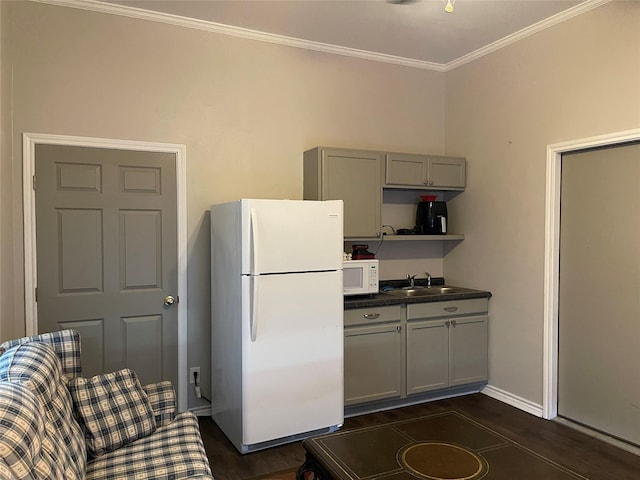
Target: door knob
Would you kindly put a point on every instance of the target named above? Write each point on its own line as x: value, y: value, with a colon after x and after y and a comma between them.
x: 169, y: 300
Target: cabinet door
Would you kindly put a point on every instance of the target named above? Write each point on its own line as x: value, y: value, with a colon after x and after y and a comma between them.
x: 352, y: 176
x: 446, y: 172
x: 427, y: 356
x: 372, y: 363
x: 405, y: 169
x: 468, y: 350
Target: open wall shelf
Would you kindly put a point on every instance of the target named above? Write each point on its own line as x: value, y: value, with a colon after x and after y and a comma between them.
x: 409, y: 238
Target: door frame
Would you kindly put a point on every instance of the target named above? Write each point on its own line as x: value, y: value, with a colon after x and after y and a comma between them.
x: 29, y: 142
x: 552, y: 256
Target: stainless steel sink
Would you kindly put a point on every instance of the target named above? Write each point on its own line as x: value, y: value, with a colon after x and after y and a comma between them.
x: 444, y: 290
x: 419, y: 292
x: 414, y: 292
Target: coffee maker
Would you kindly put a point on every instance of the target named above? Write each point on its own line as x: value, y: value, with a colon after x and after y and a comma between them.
x: 431, y: 218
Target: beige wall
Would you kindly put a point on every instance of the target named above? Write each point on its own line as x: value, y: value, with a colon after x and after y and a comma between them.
x: 11, y: 322
x: 245, y: 111
x: 575, y: 80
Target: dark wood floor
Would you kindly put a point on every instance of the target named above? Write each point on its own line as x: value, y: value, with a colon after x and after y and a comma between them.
x: 577, y: 451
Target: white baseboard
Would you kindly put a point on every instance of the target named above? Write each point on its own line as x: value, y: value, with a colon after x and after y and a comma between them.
x: 203, y: 411
x: 513, y: 400
x: 490, y: 391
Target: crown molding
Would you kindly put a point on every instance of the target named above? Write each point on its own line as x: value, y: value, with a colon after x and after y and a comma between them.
x: 222, y: 29
x: 132, y: 12
x: 526, y: 32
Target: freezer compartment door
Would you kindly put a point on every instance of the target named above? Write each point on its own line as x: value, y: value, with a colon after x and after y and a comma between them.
x: 280, y: 236
x: 293, y: 366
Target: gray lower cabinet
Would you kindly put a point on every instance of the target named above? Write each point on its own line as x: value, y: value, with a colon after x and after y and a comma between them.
x: 427, y: 356
x: 373, y: 354
x: 396, y: 351
x: 352, y: 176
x: 447, y: 344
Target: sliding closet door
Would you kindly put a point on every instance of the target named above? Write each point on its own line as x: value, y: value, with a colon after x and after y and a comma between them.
x: 599, y: 298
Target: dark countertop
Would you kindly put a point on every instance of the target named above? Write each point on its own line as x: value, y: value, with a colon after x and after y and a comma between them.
x: 384, y: 299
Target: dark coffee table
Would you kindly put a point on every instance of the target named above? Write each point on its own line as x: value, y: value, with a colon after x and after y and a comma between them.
x: 444, y: 446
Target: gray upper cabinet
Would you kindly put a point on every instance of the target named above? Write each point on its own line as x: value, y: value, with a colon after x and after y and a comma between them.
x: 429, y: 172
x: 352, y: 176
x: 405, y: 169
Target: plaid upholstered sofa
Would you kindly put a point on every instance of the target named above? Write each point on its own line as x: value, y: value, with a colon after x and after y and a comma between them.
x: 55, y: 424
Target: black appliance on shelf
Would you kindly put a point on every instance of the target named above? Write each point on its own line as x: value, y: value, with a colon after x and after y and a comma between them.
x: 431, y: 218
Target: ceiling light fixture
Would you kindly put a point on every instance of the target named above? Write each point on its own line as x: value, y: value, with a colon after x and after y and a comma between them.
x: 449, y: 6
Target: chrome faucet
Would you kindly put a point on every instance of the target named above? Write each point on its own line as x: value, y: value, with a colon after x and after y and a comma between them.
x: 412, y: 280
x: 428, y: 279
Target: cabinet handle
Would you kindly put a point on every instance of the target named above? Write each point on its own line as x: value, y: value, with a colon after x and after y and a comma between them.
x: 453, y: 323
x: 371, y: 316
x: 398, y: 329
x: 451, y: 309
x: 430, y: 182
x: 446, y: 323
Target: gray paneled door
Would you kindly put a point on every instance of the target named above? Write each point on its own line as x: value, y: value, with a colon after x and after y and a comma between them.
x: 599, y: 297
x: 106, y: 239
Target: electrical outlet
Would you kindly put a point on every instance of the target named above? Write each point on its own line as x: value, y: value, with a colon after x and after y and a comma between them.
x: 193, y: 370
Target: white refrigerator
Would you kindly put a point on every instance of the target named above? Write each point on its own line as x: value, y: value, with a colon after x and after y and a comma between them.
x: 277, y: 320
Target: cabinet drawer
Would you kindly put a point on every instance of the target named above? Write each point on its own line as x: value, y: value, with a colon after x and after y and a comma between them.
x: 447, y: 308
x: 364, y: 316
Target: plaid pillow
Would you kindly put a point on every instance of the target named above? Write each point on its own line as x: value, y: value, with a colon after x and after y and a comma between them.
x: 162, y: 398
x: 113, y: 410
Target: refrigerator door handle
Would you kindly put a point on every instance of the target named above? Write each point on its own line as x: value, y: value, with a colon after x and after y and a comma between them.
x: 253, y: 317
x: 254, y: 242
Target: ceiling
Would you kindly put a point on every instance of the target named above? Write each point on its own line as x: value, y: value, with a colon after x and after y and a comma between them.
x: 413, y: 32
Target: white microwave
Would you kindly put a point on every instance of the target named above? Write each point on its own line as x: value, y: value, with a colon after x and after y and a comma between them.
x: 360, y: 277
